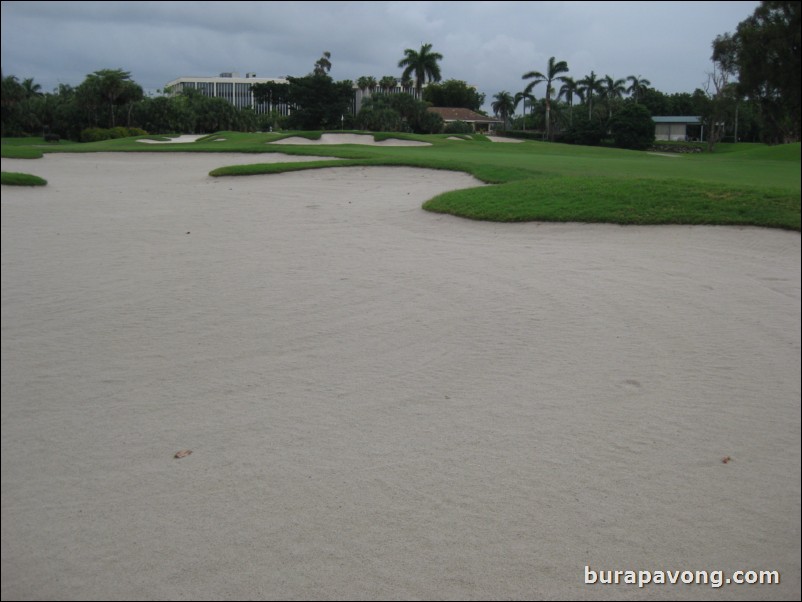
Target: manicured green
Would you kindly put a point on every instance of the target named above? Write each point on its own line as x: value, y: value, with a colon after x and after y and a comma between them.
x: 745, y: 184
x: 11, y: 178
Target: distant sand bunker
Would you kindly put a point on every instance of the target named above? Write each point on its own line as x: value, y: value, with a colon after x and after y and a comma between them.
x: 350, y: 139
x: 502, y: 139
x: 179, y: 140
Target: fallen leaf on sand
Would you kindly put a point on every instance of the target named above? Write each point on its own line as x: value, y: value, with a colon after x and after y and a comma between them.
x: 726, y: 460
x: 182, y: 454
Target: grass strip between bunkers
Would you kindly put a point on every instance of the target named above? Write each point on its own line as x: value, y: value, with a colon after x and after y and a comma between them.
x: 740, y: 184
x: 11, y: 178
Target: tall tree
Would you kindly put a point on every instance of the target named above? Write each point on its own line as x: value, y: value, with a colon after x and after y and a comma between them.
x: 318, y: 102
x: 553, y: 71
x: 638, y: 86
x: 632, y: 127
x: 323, y: 64
x: 503, y: 105
x: 721, y: 95
x: 366, y: 84
x: 387, y: 83
x: 522, y: 97
x: 423, y: 65
x: 659, y: 103
x: 377, y: 115
x: 362, y: 83
x: 106, y: 86
x: 273, y: 94
x: 12, y: 96
x: 454, y: 93
x: 612, y: 90
x: 31, y: 89
x: 590, y: 85
x: 568, y: 90
x: 131, y: 94
x: 767, y: 57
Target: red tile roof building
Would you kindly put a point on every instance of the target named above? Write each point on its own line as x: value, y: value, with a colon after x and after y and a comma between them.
x: 477, y: 120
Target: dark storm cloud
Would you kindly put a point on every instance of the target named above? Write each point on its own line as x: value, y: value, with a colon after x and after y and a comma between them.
x: 488, y: 44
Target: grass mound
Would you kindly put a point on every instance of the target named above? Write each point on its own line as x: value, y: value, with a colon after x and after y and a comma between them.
x: 11, y: 178
x: 622, y: 201
x: 739, y: 184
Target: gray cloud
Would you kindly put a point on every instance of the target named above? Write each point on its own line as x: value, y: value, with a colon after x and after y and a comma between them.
x: 488, y: 44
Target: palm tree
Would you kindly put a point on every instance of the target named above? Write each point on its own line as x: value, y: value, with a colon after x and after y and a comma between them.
x: 365, y: 83
x: 31, y: 89
x: 387, y: 83
x: 638, y: 87
x: 567, y: 91
x: 504, y: 105
x: 552, y: 75
x: 588, y: 86
x: 524, y: 96
x: 323, y: 64
x: 422, y: 64
x: 612, y: 89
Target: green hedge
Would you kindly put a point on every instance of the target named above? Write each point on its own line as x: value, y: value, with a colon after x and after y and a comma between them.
x: 523, y: 135
x: 98, y: 134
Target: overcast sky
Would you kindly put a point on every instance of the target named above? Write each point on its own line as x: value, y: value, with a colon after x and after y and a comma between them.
x: 488, y: 44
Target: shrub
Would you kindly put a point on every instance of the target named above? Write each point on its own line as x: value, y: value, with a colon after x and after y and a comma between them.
x: 94, y: 135
x: 118, y: 132
x: 632, y: 127
x: 52, y: 138
x: 98, y: 134
x: 458, y: 127
x: 428, y: 123
x: 588, y: 132
x: 528, y: 135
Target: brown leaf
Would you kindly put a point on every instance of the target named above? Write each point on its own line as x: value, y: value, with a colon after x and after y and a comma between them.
x: 182, y: 454
x: 726, y: 460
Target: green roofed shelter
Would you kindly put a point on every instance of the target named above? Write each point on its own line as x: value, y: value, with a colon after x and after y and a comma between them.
x: 676, y: 127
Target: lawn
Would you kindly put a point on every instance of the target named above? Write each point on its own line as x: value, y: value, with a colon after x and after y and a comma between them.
x: 739, y: 184
x: 12, y: 178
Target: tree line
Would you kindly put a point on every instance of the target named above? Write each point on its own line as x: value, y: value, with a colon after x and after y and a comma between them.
x: 111, y: 101
x: 752, y: 93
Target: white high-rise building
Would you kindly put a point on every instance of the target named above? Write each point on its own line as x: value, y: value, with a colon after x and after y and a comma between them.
x: 231, y: 87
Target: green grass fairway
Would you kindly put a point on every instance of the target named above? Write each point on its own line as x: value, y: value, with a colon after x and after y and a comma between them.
x: 739, y: 184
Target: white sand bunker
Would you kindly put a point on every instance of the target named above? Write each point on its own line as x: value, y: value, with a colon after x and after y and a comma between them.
x: 350, y: 139
x: 382, y: 401
x: 178, y: 140
x: 456, y: 138
x: 502, y: 139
